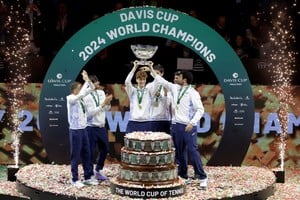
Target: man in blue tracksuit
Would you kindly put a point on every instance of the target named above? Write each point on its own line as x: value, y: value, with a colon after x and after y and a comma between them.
x: 97, y: 104
x: 160, y: 109
x: 79, y: 141
x: 188, y: 110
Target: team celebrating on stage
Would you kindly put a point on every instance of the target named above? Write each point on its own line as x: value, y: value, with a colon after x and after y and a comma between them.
x: 159, y: 106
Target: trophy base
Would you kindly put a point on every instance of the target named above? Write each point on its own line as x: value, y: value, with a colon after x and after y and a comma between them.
x: 144, y: 62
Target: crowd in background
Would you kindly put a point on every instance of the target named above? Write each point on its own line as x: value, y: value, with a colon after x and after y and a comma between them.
x: 244, y: 24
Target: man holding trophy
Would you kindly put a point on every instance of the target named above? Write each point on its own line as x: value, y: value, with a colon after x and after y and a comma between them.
x: 160, y: 110
x: 188, y: 110
x: 140, y: 96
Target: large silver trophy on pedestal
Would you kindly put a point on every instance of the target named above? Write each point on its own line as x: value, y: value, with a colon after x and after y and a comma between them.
x: 144, y: 52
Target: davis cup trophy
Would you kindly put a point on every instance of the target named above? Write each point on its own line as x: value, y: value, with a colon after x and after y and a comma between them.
x: 144, y: 52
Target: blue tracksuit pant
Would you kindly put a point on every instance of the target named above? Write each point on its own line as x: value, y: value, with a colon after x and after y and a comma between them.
x: 98, y: 139
x: 80, y: 150
x: 138, y: 126
x: 187, y: 141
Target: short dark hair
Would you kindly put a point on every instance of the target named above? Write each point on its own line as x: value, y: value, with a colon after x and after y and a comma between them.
x: 185, y: 75
x: 188, y: 75
x: 178, y: 73
x: 93, y: 78
x: 159, y: 68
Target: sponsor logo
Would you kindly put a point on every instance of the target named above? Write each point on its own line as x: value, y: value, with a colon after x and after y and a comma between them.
x: 236, y: 80
x: 59, y: 80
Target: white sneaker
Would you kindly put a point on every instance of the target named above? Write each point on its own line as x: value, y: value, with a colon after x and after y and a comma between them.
x: 90, y: 181
x: 203, y: 184
x: 77, y: 184
x: 188, y: 181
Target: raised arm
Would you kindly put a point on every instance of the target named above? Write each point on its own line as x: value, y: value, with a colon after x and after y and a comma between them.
x: 129, y: 77
x: 86, y: 88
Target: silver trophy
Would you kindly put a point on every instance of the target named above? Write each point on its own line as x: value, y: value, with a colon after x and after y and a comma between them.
x: 144, y: 52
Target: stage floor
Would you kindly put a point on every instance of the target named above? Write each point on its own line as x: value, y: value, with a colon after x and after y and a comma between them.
x: 289, y: 190
x: 224, y: 182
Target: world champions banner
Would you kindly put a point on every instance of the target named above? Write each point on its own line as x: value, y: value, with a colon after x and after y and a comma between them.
x: 156, y: 22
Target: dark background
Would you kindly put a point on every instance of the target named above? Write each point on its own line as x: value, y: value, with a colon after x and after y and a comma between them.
x: 113, y: 63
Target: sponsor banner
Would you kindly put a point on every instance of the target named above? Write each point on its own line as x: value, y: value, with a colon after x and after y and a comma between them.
x: 263, y: 149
